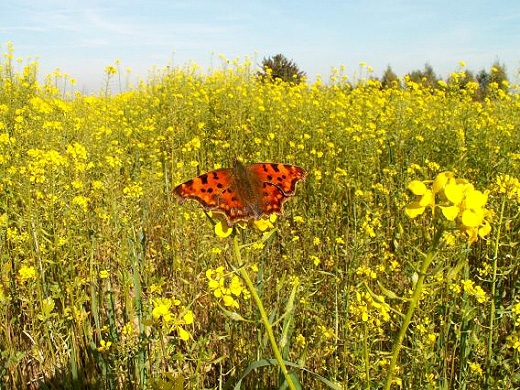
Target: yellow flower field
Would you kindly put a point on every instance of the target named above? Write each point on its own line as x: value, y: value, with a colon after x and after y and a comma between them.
x: 395, y: 264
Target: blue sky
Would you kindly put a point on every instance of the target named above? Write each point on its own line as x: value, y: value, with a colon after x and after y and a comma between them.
x: 82, y: 37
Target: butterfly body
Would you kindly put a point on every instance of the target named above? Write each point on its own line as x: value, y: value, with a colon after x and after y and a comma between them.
x: 245, y: 191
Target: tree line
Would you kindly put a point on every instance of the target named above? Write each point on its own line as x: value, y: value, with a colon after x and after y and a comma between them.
x: 279, y: 67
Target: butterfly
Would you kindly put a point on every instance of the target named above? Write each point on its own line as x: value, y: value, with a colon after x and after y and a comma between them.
x: 245, y: 191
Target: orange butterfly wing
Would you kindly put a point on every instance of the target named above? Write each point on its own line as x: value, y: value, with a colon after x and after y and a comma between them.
x: 243, y: 192
x: 278, y: 183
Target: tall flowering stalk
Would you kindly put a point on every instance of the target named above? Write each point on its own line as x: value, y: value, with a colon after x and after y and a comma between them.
x: 263, y: 314
x: 228, y: 293
x: 508, y: 188
x: 451, y: 201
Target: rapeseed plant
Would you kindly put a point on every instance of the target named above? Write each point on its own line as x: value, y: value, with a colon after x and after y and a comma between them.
x: 458, y: 202
x: 92, y: 245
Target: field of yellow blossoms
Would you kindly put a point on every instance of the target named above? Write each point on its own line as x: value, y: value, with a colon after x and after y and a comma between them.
x: 396, y: 264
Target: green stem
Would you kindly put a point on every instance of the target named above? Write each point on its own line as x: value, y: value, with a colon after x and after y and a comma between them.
x: 414, y: 301
x: 137, y: 252
x: 463, y: 332
x: 263, y: 314
x: 366, y: 355
x: 493, y: 293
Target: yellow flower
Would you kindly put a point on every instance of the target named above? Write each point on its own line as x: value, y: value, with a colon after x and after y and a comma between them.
x: 300, y: 341
x: 424, y: 198
x: 458, y: 201
x: 236, y: 287
x: 161, y: 310
x: 188, y: 317
x: 226, y: 288
x: 26, y: 273
x: 454, y: 192
x: 516, y: 309
x: 264, y: 224
x: 110, y: 70
x: 127, y: 329
x: 510, y: 186
x: 222, y: 229
x: 156, y: 288
x: 104, y: 346
x: 455, y: 288
x: 104, y: 274
x: 475, y: 368
x: 134, y: 190
x: 81, y: 201
x: 229, y: 301
x: 441, y: 180
x: 183, y: 334
x: 479, y: 294
x: 327, y: 333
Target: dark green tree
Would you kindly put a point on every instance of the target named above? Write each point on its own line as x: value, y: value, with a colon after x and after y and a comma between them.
x: 281, y: 68
x: 426, y: 77
x: 483, y: 82
x: 390, y: 79
x: 461, y: 79
x: 497, y: 75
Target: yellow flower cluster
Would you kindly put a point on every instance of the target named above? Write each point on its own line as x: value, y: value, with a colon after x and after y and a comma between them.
x: 27, y: 273
x: 516, y: 312
x: 509, y: 186
x: 371, y: 309
x: 457, y: 199
x: 226, y: 287
x: 173, y: 321
x: 223, y: 230
x: 104, y: 346
x: 133, y: 190
x: 473, y: 290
